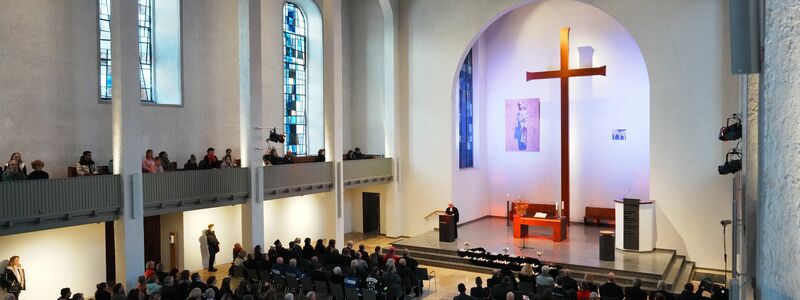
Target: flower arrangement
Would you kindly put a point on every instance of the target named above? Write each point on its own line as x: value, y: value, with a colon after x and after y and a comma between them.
x: 521, y: 207
x: 505, y: 250
x: 466, y: 245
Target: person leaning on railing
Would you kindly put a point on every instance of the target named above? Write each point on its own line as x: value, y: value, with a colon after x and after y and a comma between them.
x: 38, y: 165
x: 18, y: 157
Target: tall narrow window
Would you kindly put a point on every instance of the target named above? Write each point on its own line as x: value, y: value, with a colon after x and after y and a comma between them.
x: 465, y: 109
x: 164, y: 60
x: 104, y: 26
x: 146, y: 50
x: 294, y: 79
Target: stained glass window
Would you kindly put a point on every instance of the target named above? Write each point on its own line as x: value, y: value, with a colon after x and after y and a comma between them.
x: 295, y: 81
x: 465, y: 109
x: 104, y: 26
x: 145, y: 49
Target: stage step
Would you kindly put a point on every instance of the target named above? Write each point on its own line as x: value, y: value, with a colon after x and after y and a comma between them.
x: 449, y: 259
x: 686, y: 274
x: 673, y: 271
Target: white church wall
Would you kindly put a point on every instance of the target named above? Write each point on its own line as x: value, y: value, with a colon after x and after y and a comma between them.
x: 685, y: 47
x: 601, y: 169
x: 302, y: 216
x: 50, y: 87
x: 362, y: 31
x: 354, y: 207
x: 227, y: 222
x: 471, y: 185
x: 53, y: 259
x: 174, y: 223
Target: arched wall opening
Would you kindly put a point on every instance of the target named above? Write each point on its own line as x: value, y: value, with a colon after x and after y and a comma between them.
x: 604, y: 163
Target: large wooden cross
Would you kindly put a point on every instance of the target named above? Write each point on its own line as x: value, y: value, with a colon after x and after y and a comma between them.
x: 564, y: 73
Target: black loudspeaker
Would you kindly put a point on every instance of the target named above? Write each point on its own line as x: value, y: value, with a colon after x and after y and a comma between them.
x: 745, y: 29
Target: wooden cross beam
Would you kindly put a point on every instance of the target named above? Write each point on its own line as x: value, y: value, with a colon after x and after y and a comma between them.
x: 564, y: 73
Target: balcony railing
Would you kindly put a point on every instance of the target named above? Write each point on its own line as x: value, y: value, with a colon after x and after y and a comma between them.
x: 282, y: 181
x: 366, y: 172
x: 33, y: 205
x: 195, y: 189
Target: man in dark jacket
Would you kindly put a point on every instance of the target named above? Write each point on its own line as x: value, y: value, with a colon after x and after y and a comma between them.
x: 213, y: 247
x: 635, y: 292
x: 462, y: 293
x: 610, y: 290
x: 500, y: 290
x: 168, y: 291
x: 479, y: 292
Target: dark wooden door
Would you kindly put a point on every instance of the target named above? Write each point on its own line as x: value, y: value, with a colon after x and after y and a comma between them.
x: 371, y: 212
x: 152, y: 239
x: 111, y: 267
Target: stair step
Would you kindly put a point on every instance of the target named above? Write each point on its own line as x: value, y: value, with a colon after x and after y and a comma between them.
x: 673, y: 270
x: 686, y: 273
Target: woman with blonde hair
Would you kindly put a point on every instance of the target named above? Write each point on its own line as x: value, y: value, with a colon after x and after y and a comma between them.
x: 18, y: 157
x: 195, y: 294
x: 15, y: 274
x: 527, y: 274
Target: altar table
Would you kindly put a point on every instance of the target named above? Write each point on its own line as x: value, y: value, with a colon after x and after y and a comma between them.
x: 559, y: 226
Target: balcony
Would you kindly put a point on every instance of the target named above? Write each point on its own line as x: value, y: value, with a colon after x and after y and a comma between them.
x: 282, y: 181
x: 33, y: 205
x: 194, y: 189
x: 365, y: 172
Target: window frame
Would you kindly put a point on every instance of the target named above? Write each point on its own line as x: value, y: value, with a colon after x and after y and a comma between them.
x: 303, y: 143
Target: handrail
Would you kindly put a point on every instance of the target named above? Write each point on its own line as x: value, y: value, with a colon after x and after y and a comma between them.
x: 435, y: 212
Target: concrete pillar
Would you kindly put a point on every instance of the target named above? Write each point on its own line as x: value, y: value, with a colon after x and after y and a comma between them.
x: 127, y: 140
x: 392, y: 128
x: 779, y: 157
x: 334, y: 126
x: 250, y: 104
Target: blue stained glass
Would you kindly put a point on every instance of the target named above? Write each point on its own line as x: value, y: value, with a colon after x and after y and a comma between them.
x: 465, y: 130
x: 145, y: 42
x: 294, y: 88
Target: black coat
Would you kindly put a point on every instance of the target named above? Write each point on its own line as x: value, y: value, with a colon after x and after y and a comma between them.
x: 16, y: 283
x: 609, y: 289
x: 635, y: 293
x: 479, y: 292
x: 452, y: 211
x: 213, y: 242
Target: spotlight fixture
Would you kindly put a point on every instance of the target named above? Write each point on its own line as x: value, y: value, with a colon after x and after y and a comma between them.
x: 732, y: 163
x: 732, y: 130
x: 276, y: 137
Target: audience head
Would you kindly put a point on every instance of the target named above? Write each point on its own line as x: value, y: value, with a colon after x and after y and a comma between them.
x: 196, y: 277
x: 102, y: 286
x: 228, y: 152
x: 566, y: 272
x: 195, y: 294
x: 163, y: 154
x: 527, y: 270
x: 506, y: 280
x: 66, y: 292
x: 594, y: 296
x: 688, y: 287
x: 185, y: 275
x: 279, y: 261
x: 297, y: 241
x: 209, y: 294
x: 461, y: 288
x: 450, y: 204
x: 402, y: 262
x: 77, y: 296
x: 320, y: 243
x: 321, y: 152
x: 148, y: 154
x: 560, y: 281
x: 227, y: 160
x: 118, y: 289
x: 350, y: 244
x: 661, y: 285
x: 585, y: 286
x: 588, y: 278
x: 278, y: 244
x: 37, y: 165
x: 169, y: 281
x: 293, y: 262
x: 212, y: 280
x: 478, y: 281
x: 150, y: 265
x: 545, y: 271
x: 211, y: 227
x: 510, y: 296
x: 378, y: 249
x: 16, y: 156
x: 307, y: 241
x: 331, y: 243
x: 288, y: 296
x: 142, y: 280
x: 210, y: 151
x: 13, y: 165
x: 337, y: 270
x: 612, y: 277
x: 192, y: 158
x: 157, y: 160
x: 87, y: 156
x: 637, y: 282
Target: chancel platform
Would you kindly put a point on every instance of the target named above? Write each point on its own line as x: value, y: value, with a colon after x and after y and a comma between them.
x: 578, y: 252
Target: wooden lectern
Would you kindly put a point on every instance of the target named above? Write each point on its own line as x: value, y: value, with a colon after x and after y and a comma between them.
x: 447, y: 228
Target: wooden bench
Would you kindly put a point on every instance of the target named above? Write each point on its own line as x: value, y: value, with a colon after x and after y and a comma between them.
x: 599, y: 214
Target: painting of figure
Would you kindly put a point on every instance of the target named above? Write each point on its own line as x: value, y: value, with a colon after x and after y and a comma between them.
x: 522, y: 125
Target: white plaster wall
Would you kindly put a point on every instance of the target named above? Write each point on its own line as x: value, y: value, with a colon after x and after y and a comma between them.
x: 303, y: 216
x: 48, y: 54
x: 471, y: 185
x: 362, y: 43
x: 601, y: 169
x: 71, y: 257
x: 685, y: 46
x: 778, y: 234
x: 227, y: 222
x: 174, y: 223
x: 354, y: 208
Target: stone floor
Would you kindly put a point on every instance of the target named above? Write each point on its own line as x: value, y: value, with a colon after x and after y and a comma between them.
x: 580, y: 248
